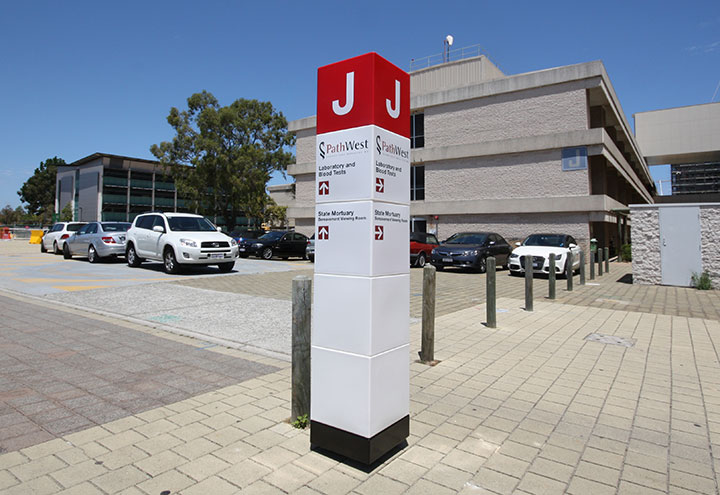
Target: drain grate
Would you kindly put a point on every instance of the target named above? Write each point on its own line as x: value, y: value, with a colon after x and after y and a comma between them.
x: 610, y: 339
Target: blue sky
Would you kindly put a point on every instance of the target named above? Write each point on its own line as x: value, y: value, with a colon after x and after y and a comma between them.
x: 83, y: 77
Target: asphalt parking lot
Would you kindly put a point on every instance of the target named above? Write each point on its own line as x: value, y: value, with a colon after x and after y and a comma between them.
x: 24, y: 269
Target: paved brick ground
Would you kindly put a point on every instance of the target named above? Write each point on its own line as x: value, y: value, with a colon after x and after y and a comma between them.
x: 62, y: 372
x: 460, y: 290
x: 530, y: 408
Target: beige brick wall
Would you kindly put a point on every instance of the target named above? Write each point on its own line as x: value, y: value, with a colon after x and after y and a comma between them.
x: 305, y: 190
x: 516, y: 227
x: 645, y: 236
x: 305, y: 146
x: 527, y: 175
x: 533, y: 112
x: 710, y: 238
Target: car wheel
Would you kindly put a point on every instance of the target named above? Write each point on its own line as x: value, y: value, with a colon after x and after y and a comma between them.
x: 421, y: 260
x: 267, y: 253
x: 482, y: 265
x: 132, y: 257
x: 92, y: 255
x: 43, y: 249
x: 226, y: 267
x: 66, y: 252
x: 170, y: 262
x: 311, y: 257
x: 56, y: 249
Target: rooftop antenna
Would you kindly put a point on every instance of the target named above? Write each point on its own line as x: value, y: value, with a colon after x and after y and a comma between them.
x: 447, y: 43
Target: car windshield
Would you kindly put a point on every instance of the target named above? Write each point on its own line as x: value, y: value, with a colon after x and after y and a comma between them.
x: 550, y: 240
x: 190, y: 224
x: 466, y: 238
x: 115, y: 227
x: 74, y: 227
x: 271, y: 236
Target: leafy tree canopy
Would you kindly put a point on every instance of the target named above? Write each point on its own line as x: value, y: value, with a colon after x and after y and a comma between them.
x: 39, y: 190
x: 229, y: 153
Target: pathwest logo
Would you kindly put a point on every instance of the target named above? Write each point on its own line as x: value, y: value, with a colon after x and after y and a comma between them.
x: 385, y: 148
x: 341, y: 147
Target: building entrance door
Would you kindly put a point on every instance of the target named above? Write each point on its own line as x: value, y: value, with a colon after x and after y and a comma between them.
x: 680, y: 244
x: 418, y: 224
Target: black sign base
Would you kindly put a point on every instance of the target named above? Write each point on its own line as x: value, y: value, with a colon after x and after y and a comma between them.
x: 356, y: 447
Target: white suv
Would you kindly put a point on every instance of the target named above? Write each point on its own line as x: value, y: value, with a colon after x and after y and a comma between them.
x: 178, y: 239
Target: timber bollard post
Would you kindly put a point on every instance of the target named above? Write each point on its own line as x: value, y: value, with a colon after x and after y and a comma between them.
x: 582, y: 267
x: 592, y: 265
x: 427, y: 349
x: 490, y: 279
x: 600, y: 261
x: 301, y: 321
x: 607, y: 260
x: 569, y: 270
x: 528, y: 283
x: 551, y: 277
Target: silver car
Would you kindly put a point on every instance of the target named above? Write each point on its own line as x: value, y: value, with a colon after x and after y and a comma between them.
x: 97, y: 240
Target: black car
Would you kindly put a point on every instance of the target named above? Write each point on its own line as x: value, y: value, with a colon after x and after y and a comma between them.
x: 470, y: 250
x: 241, y: 234
x: 274, y: 243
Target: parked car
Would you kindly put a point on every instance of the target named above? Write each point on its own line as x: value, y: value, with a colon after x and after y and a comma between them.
x: 54, y: 239
x: 470, y: 250
x: 275, y: 243
x: 539, y: 246
x: 178, y: 239
x: 97, y: 240
x: 310, y: 249
x: 421, y: 245
x: 241, y: 234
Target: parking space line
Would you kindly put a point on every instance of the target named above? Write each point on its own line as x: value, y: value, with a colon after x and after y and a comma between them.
x: 74, y: 288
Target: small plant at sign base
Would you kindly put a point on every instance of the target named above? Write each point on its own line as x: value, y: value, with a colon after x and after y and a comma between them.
x: 301, y: 422
x: 702, y: 282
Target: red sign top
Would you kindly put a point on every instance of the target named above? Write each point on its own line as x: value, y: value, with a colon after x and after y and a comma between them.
x: 361, y: 91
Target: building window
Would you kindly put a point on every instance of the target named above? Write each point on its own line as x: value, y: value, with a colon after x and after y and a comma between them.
x: 417, y: 183
x: 417, y: 130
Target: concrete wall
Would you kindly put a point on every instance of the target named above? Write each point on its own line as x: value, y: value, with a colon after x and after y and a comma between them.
x: 646, y: 244
x: 710, y: 238
x: 679, y: 135
x: 526, y: 175
x: 305, y: 226
x: 531, y: 112
x: 645, y: 239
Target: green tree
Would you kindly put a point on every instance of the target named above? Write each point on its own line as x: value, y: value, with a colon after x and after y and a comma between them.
x: 66, y: 215
x: 274, y: 215
x: 39, y: 190
x: 222, y: 156
x: 8, y: 216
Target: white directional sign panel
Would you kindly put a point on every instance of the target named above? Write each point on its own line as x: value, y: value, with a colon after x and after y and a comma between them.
x: 342, y: 171
x: 360, y: 337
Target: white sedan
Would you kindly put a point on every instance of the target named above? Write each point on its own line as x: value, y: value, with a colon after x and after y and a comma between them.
x: 540, y: 246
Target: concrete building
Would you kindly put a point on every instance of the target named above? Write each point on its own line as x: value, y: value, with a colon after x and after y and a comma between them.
x: 687, y: 139
x: 543, y: 151
x: 111, y: 187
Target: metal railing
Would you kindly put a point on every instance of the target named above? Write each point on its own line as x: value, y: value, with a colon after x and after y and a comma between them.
x: 451, y: 56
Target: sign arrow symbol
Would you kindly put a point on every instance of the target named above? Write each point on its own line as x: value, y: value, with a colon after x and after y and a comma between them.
x: 323, y: 232
x: 324, y: 188
x: 379, y: 185
x: 379, y: 232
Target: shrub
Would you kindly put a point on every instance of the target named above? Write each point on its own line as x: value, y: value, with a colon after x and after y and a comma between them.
x: 702, y: 282
x: 626, y: 252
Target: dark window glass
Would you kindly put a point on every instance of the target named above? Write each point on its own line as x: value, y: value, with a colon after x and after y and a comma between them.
x: 115, y: 227
x: 144, y: 222
x: 74, y: 227
x: 83, y: 229
x: 299, y: 237
x: 551, y: 240
x: 271, y: 236
x: 417, y: 183
x: 467, y: 238
x: 417, y: 130
x: 158, y: 220
x: 431, y: 239
x: 92, y: 228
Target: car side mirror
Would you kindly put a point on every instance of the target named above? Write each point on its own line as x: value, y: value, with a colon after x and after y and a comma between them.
x: 159, y: 228
x: 491, y: 243
x: 572, y: 246
x: 517, y: 244
x: 219, y: 229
